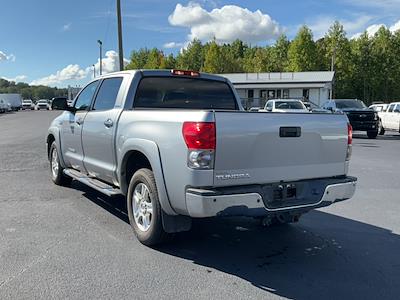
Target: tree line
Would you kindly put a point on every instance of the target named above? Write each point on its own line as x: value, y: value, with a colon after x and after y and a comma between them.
x: 367, y: 67
x: 30, y: 92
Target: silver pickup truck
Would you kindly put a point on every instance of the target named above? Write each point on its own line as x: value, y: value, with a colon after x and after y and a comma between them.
x: 179, y: 145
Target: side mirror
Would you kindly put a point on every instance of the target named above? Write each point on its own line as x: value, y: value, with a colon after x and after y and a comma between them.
x: 60, y: 104
x: 269, y: 109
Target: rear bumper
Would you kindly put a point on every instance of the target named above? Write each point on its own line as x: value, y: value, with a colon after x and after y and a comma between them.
x: 210, y: 203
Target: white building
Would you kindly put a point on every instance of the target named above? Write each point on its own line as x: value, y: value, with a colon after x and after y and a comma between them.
x: 256, y: 88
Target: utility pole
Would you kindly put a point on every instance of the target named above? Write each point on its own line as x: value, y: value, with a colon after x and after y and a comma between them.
x: 101, y: 56
x: 94, y: 71
x: 120, y: 49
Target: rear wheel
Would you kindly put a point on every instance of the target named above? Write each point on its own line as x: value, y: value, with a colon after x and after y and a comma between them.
x: 144, y: 208
x: 56, y: 171
x: 372, y: 134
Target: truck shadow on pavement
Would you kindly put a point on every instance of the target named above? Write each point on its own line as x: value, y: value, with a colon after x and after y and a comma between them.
x: 324, y: 256
x: 392, y: 136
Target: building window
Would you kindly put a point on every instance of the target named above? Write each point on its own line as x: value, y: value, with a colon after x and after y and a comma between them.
x: 263, y: 94
x: 285, y: 94
x: 250, y: 94
x: 278, y: 94
x: 306, y: 93
x: 271, y: 94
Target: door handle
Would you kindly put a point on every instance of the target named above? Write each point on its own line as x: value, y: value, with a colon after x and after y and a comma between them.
x: 108, y: 123
x: 79, y: 121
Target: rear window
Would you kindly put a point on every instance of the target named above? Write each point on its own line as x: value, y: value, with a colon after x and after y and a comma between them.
x: 288, y: 105
x: 343, y: 104
x: 184, y: 93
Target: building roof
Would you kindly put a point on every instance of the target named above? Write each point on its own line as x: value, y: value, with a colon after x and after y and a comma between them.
x: 288, y: 77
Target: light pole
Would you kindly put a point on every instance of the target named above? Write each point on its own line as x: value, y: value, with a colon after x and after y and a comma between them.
x: 120, y: 49
x: 94, y: 71
x: 101, y: 55
x: 333, y: 68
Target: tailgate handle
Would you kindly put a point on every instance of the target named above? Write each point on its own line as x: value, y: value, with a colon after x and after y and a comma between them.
x: 290, y: 131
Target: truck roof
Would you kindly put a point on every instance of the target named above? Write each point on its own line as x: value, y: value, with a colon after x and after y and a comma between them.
x: 165, y: 72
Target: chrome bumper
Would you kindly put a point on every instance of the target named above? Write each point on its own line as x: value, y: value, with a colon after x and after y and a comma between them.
x: 203, y: 203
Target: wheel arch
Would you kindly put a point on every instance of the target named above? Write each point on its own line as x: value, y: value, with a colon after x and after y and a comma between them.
x: 140, y: 153
x: 53, y: 135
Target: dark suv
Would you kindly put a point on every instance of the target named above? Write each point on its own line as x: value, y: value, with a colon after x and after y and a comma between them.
x: 360, y: 116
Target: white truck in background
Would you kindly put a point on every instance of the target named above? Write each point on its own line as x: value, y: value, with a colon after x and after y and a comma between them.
x: 390, y: 118
x: 15, y: 100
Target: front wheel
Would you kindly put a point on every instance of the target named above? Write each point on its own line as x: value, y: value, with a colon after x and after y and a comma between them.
x: 381, y: 129
x: 372, y: 134
x: 144, y: 208
x: 57, y: 174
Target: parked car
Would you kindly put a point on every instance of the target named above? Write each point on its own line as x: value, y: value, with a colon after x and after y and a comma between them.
x: 3, y: 106
x: 6, y: 105
x: 380, y: 107
x: 360, y: 116
x: 285, y: 106
x: 390, y: 119
x: 42, y: 104
x: 28, y: 104
x: 179, y: 145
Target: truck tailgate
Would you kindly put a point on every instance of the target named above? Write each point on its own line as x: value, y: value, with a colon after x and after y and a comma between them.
x: 259, y: 148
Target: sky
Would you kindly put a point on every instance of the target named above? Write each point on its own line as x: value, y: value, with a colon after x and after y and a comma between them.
x: 55, y: 42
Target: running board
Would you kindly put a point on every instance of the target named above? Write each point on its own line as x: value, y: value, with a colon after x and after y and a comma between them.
x: 93, y: 183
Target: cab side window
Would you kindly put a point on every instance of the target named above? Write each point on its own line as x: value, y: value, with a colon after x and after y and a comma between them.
x: 391, y: 107
x: 85, y: 97
x: 107, y: 95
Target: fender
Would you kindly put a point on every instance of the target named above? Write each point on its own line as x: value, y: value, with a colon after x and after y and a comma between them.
x: 151, y: 151
x: 55, y: 131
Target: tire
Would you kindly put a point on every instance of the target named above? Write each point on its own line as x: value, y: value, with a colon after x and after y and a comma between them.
x: 144, y: 209
x: 56, y: 171
x: 372, y: 134
x: 381, y: 130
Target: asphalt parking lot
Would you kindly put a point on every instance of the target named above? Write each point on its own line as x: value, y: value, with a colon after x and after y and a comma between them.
x: 58, y: 242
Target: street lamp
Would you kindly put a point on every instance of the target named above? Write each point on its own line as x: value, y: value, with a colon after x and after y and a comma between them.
x: 333, y: 61
x: 101, y: 55
x: 94, y: 71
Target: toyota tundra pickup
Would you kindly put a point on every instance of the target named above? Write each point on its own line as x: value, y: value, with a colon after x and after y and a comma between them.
x: 179, y: 145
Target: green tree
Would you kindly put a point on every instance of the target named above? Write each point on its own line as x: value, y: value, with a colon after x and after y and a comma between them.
x: 262, y: 60
x: 138, y: 59
x: 384, y: 65
x: 302, y: 53
x: 155, y: 60
x: 191, y: 58
x: 279, y: 54
x: 170, y: 62
x: 213, y: 58
x: 338, y: 56
x: 361, y: 76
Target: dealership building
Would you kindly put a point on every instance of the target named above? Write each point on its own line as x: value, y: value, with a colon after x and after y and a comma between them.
x: 256, y: 88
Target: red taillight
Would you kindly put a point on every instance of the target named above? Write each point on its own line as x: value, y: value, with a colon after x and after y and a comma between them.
x: 185, y: 73
x: 349, y: 134
x: 199, y: 135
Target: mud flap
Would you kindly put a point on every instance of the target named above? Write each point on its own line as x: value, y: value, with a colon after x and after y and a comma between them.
x: 173, y: 224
